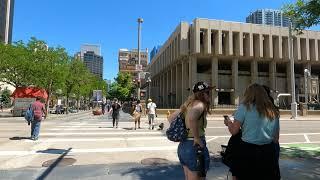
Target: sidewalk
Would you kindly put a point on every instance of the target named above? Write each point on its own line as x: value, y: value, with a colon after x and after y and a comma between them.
x: 5, y: 113
x: 291, y: 169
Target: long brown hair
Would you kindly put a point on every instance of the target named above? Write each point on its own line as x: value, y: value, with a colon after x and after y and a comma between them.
x: 255, y: 94
x: 200, y: 96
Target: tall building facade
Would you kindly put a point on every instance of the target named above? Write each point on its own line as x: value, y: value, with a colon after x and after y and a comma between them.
x: 6, y: 20
x: 230, y: 56
x: 154, y: 51
x: 268, y: 17
x: 128, y: 61
x: 92, y: 58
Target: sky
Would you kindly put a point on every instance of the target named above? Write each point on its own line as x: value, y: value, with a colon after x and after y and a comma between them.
x: 113, y: 23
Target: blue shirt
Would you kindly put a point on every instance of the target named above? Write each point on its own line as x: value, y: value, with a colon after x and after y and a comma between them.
x: 256, y: 129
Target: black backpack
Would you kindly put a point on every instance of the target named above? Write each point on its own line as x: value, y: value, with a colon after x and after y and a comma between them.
x: 229, y: 152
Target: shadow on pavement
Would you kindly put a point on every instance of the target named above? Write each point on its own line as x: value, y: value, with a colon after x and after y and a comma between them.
x: 297, y: 152
x: 53, y: 165
x: 17, y: 138
x: 54, y: 151
x: 299, y: 163
x: 167, y: 172
x: 128, y: 128
x: 110, y: 127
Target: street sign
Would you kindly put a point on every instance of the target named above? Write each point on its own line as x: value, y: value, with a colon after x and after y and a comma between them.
x: 138, y: 67
x: 142, y: 75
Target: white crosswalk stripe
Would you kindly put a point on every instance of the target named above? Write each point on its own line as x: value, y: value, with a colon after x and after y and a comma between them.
x: 91, y: 131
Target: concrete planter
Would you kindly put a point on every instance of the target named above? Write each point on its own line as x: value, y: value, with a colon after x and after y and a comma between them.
x: 97, y: 112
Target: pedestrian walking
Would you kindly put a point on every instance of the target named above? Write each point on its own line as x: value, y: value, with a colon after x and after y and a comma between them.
x: 38, y: 113
x: 193, y: 152
x: 103, y: 107
x: 137, y: 114
x: 108, y: 105
x: 115, y: 110
x: 1, y: 106
x: 258, y: 120
x: 152, y: 113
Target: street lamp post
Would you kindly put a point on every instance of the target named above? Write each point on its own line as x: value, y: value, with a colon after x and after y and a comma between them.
x: 293, y: 93
x: 149, y: 90
x: 140, y: 20
x: 306, y: 75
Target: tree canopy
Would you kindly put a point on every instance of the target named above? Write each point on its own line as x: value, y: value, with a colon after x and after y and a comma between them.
x: 36, y: 64
x: 122, y: 88
x: 303, y: 13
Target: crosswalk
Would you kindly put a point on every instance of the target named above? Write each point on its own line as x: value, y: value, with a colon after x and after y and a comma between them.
x: 92, y: 139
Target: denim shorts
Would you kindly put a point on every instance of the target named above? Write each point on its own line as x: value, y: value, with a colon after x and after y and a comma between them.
x: 188, y: 157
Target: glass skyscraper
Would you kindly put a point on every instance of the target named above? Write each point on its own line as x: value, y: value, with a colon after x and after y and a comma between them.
x: 268, y: 17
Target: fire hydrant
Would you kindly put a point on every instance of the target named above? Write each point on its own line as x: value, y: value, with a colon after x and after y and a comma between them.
x: 168, y: 114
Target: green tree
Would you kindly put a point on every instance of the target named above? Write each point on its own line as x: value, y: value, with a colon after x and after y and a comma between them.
x: 77, y: 77
x: 50, y: 65
x: 16, y: 64
x: 122, y: 88
x: 5, y: 97
x: 303, y: 14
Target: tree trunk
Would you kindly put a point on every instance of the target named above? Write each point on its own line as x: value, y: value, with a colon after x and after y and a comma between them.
x: 67, y: 108
x: 48, y: 99
x: 78, y: 103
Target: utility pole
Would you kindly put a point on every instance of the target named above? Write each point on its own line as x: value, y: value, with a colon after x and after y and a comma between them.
x: 140, y: 20
x: 306, y: 91
x: 293, y: 86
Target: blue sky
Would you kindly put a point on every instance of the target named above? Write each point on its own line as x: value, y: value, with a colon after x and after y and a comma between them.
x: 113, y: 23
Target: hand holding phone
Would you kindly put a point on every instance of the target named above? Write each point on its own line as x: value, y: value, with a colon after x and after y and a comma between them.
x: 226, y: 119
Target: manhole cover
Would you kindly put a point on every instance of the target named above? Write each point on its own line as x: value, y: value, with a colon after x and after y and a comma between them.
x: 62, y: 162
x: 155, y: 161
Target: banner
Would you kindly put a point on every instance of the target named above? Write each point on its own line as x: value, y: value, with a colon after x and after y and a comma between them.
x: 97, y: 95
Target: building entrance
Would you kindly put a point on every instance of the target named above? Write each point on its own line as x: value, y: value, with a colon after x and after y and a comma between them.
x: 224, y: 98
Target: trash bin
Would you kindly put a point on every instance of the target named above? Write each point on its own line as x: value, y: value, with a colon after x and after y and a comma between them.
x: 304, y: 109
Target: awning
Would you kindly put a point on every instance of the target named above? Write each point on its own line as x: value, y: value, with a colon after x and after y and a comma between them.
x: 29, y: 92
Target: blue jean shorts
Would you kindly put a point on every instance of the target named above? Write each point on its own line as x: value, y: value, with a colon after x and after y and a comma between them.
x: 188, y: 157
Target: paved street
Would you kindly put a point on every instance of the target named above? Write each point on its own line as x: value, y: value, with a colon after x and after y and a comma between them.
x: 97, y: 151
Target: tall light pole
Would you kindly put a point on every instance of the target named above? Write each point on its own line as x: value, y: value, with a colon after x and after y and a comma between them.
x: 306, y: 76
x: 293, y: 85
x: 140, y: 20
x: 149, y: 80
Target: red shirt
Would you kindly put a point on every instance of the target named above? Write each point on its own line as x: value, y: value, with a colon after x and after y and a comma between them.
x: 38, y: 109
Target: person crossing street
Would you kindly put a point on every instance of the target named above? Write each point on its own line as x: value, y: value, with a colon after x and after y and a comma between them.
x: 152, y: 113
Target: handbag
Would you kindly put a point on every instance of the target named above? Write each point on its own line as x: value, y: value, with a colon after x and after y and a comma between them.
x: 229, y: 152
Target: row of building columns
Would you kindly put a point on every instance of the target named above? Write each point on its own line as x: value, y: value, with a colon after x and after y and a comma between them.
x: 174, y: 84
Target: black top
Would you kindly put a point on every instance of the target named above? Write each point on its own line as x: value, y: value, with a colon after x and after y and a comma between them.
x: 115, y: 108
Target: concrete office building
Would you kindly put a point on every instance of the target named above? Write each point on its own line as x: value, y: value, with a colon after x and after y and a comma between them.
x: 128, y: 61
x: 6, y: 20
x: 268, y: 17
x: 91, y: 57
x: 230, y: 56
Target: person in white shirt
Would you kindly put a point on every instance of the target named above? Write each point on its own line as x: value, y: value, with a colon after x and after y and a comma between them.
x: 152, y: 112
